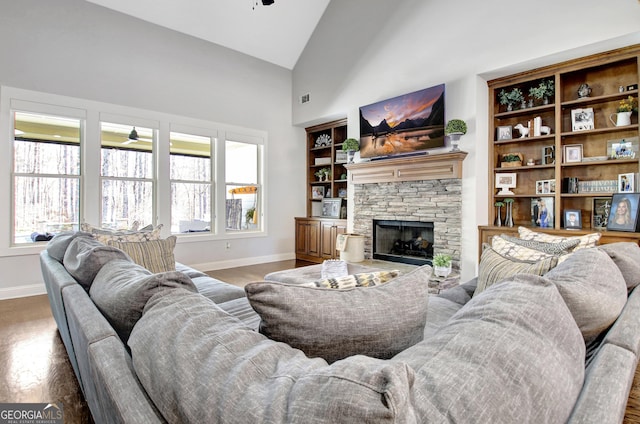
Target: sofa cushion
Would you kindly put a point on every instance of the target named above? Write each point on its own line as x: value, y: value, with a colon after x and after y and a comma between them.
x: 57, y: 246
x: 377, y: 321
x: 513, y: 354
x: 121, y: 289
x: 154, y: 255
x: 494, y: 267
x: 105, y: 236
x: 85, y: 256
x: 587, y: 240
x: 365, y: 279
x: 200, y: 365
x: 593, y: 288
x: 216, y: 290
x: 626, y: 255
x: 311, y: 273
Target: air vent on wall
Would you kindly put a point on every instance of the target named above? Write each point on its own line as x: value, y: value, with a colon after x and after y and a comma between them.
x: 305, y: 98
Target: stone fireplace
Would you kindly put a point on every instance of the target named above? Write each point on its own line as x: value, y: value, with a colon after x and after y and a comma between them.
x: 423, y: 190
x: 403, y: 241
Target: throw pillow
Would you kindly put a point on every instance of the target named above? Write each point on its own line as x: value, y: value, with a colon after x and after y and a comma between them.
x: 365, y: 279
x: 57, y: 246
x: 334, y: 268
x: 626, y: 255
x: 154, y: 255
x: 105, y: 236
x: 121, y: 290
x: 531, y: 250
x: 377, y: 321
x: 587, y: 240
x: 494, y: 267
x: 593, y: 288
x: 85, y: 256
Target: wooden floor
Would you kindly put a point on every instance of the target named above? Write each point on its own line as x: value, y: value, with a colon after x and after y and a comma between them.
x: 35, y: 367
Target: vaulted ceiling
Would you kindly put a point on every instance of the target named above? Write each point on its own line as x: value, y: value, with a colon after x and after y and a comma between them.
x: 276, y: 33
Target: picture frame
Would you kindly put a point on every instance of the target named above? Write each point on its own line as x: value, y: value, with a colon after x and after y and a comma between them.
x: 548, y: 155
x: 624, y: 212
x: 505, y: 181
x: 623, y: 148
x: 626, y: 183
x: 317, y: 192
x: 601, y: 206
x: 582, y: 119
x: 572, y: 219
x: 331, y: 207
x: 572, y: 153
x: 545, y: 187
x: 504, y: 132
x: 542, y: 212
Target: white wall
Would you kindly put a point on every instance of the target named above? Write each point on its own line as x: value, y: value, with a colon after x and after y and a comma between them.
x: 78, y: 49
x: 364, y: 51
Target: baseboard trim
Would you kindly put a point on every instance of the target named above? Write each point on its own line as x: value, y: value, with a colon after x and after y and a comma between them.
x: 22, y: 291
x: 234, y: 263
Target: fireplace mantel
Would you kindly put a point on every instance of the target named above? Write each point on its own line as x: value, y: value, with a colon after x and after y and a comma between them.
x: 414, y: 168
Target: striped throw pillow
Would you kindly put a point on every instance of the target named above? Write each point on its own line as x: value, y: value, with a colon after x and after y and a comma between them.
x: 155, y: 255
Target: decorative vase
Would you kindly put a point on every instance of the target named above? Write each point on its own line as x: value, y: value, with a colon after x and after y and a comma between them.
x: 545, y: 101
x: 442, y: 271
x: 509, y: 107
x: 523, y: 105
x: 350, y: 155
x: 455, y: 140
x: 622, y: 119
x: 498, y: 222
x: 508, y: 219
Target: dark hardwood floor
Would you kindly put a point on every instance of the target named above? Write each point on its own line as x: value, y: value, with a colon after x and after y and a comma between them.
x: 35, y: 366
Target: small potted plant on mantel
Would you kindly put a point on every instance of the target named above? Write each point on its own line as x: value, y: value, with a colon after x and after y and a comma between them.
x: 442, y: 265
x: 351, y: 146
x: 455, y: 129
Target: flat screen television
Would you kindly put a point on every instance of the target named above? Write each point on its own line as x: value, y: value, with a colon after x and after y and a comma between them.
x: 402, y: 125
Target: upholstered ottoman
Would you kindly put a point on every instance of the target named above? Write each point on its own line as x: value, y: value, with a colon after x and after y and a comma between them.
x: 311, y: 273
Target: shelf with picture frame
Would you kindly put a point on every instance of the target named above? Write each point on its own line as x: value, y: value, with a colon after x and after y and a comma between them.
x: 605, y: 74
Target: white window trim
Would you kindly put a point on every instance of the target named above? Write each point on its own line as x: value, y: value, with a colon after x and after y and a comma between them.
x: 93, y: 112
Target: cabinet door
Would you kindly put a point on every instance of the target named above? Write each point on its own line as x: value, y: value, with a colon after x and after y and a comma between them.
x: 307, y: 239
x: 329, y: 232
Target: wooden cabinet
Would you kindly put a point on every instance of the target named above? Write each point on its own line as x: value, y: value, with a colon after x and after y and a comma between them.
x: 577, y: 125
x: 316, y: 238
x: 324, y: 151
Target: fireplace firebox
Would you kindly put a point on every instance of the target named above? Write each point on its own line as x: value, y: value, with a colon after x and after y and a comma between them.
x: 409, y: 242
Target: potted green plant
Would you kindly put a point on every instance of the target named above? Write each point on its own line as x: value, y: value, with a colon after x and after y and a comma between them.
x: 351, y: 146
x: 544, y: 90
x: 250, y: 215
x: 510, y: 160
x: 508, y: 219
x: 498, y: 205
x: 511, y: 98
x: 442, y: 265
x: 455, y: 128
x: 323, y: 173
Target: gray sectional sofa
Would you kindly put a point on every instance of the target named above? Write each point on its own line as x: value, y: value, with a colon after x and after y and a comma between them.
x: 183, y: 347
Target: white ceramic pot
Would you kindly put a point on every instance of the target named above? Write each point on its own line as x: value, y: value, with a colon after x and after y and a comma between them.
x: 442, y: 271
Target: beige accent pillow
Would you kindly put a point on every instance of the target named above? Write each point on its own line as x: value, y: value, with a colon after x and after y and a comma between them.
x: 587, y: 240
x: 155, y: 255
x: 494, y: 268
x: 104, y: 236
x: 365, y: 279
x: 531, y: 250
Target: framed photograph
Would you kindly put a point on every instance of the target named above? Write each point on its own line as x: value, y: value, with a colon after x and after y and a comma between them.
x: 600, y: 212
x: 545, y: 186
x: 624, y: 212
x: 548, y: 155
x: 542, y: 212
x: 626, y: 183
x: 331, y: 207
x: 582, y: 119
x: 317, y: 192
x: 505, y: 181
x: 624, y: 148
x: 572, y: 219
x: 573, y: 153
x: 504, y: 132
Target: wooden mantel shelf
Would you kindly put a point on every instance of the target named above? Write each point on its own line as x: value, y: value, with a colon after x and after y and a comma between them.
x: 414, y: 168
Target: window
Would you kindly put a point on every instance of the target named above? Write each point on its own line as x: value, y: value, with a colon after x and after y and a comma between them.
x: 46, y: 175
x: 190, y: 169
x: 126, y: 168
x: 243, y: 186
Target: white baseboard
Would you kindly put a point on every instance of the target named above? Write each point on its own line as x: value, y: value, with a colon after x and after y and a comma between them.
x: 22, y: 291
x: 234, y: 263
